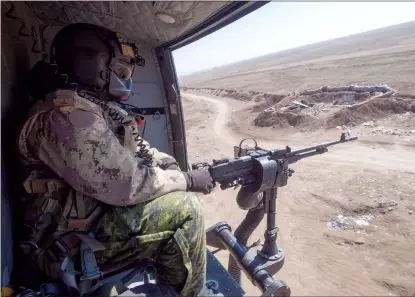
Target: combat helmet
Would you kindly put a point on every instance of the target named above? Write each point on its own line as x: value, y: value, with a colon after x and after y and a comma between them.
x: 94, y: 58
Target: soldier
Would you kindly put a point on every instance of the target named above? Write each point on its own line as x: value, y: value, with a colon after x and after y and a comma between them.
x: 91, y: 171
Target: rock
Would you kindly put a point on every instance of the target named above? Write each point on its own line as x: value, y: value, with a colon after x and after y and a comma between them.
x: 382, y: 203
x: 306, y: 103
x: 370, y: 124
x: 338, y: 127
x: 360, y: 241
x: 412, y: 131
x: 410, y: 211
x: 390, y: 208
x: 393, y: 203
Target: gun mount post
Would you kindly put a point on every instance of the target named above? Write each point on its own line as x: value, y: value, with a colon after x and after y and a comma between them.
x: 256, y: 267
x: 270, y: 248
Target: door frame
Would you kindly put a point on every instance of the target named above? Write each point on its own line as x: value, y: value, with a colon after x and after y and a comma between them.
x: 222, y: 18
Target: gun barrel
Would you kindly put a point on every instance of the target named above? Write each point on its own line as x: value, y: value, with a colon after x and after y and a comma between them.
x: 321, y: 145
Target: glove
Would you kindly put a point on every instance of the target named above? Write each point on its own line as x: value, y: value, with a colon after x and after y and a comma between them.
x: 199, y: 181
x: 169, y: 163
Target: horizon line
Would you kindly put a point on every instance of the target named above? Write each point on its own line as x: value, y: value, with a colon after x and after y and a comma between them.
x: 287, y: 49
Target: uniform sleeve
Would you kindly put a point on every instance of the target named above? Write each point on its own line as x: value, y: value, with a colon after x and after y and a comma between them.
x: 159, y: 155
x: 80, y: 148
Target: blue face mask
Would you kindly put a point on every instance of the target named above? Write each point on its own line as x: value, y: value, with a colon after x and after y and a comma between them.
x: 120, y: 88
x: 120, y: 79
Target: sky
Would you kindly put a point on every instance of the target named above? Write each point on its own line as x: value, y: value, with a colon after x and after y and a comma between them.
x: 283, y: 25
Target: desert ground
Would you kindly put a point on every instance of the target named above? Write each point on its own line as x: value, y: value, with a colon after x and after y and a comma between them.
x: 346, y: 217
x: 385, y: 55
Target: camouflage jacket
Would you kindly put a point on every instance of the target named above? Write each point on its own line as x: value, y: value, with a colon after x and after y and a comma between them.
x: 76, y: 139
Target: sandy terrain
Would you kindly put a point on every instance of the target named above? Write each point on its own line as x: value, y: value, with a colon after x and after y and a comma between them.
x: 346, y: 217
x: 381, y: 56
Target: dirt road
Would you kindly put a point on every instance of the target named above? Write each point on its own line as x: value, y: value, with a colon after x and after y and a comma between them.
x: 345, y: 218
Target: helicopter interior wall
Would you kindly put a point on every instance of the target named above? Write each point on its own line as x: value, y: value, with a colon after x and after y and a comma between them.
x: 16, y: 61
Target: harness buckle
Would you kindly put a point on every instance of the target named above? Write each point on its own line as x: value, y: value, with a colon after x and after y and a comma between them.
x: 90, y: 268
x: 59, y: 248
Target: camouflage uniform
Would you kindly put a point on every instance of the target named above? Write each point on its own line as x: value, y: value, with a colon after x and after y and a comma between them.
x: 153, y: 217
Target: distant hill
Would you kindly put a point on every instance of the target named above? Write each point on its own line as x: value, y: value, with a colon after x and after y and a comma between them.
x: 385, y: 55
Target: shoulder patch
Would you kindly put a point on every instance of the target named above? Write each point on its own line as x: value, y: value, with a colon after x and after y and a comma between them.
x: 127, y: 50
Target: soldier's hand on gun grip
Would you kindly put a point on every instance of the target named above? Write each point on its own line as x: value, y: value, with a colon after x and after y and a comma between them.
x: 199, y: 181
x: 169, y: 164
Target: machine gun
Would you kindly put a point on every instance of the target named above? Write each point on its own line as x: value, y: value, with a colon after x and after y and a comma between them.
x: 259, y: 173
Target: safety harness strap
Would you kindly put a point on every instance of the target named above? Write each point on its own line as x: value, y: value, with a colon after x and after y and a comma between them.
x: 65, y: 247
x: 83, y: 224
x: 80, y: 205
x: 90, y: 269
x: 68, y: 275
